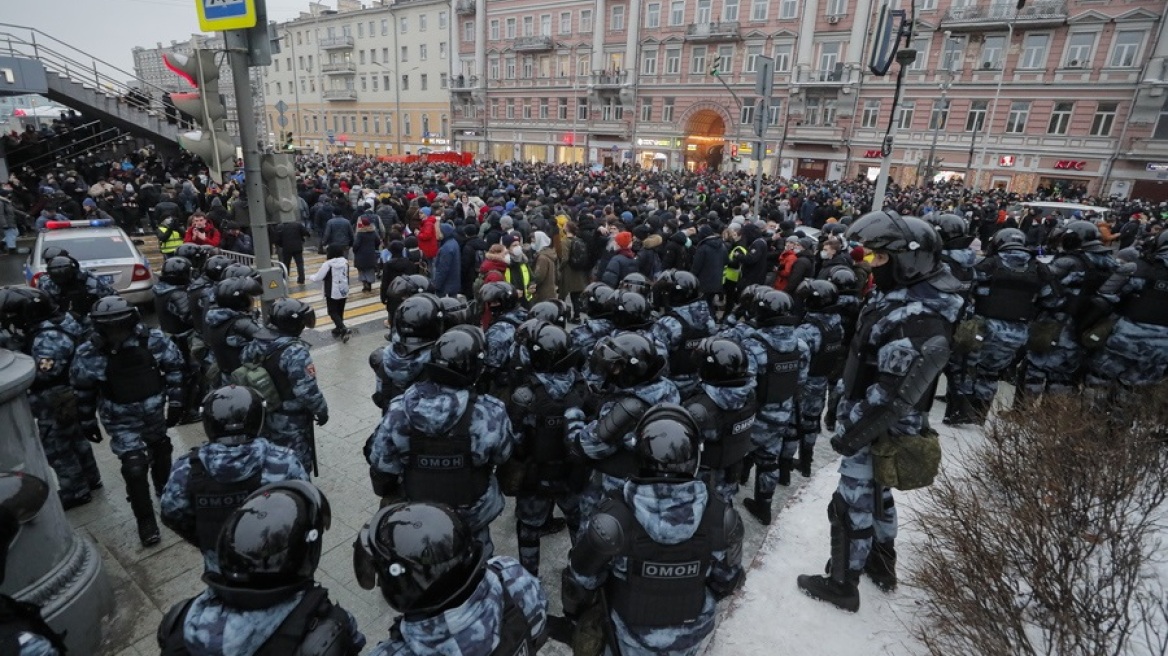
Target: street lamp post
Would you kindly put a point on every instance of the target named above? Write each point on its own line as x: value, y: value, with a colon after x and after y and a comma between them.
x: 943, y: 110
x: 985, y: 141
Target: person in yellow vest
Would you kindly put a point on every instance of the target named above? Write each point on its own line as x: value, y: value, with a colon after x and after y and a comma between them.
x: 518, y: 272
x: 169, y: 237
x: 733, y: 270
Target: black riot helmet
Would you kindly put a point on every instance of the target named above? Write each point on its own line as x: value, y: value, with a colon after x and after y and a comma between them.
x: 1007, y: 239
x: 634, y: 282
x: 22, y: 496
x: 114, y: 319
x: 1160, y: 246
x: 913, y: 246
x: 418, y: 322
x: 772, y: 308
x: 237, y: 270
x: 177, y: 270
x: 674, y: 289
x: 270, y: 546
x: 845, y: 280
x: 953, y: 229
x: 456, y: 311
x: 632, y: 311
x: 63, y: 270
x: 233, y: 415
x: 51, y: 252
x: 194, y: 253
x: 498, y: 298
x: 1080, y: 236
x: 626, y: 360
x: 12, y: 302
x: 668, y: 443
x: 38, y: 306
x: 457, y: 358
x: 215, y: 266
x: 722, y: 363
x: 817, y: 295
x: 237, y: 293
x: 748, y: 295
x: 290, y: 316
x: 423, y: 284
x: 551, y: 350
x: 401, y: 288
x: 422, y: 555
x: 553, y: 311
x: 599, y: 300
x: 661, y: 291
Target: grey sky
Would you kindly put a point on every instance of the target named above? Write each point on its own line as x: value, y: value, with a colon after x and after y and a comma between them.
x: 108, y: 29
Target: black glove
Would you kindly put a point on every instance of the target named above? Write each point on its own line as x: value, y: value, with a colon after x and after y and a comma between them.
x: 841, y: 447
x: 322, y: 418
x: 92, y: 432
x: 174, y: 413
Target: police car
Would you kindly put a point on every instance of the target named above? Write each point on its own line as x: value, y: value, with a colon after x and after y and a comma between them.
x: 102, y: 248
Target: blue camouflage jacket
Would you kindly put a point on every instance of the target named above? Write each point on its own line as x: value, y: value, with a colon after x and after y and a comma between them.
x: 583, y: 432
x: 781, y: 338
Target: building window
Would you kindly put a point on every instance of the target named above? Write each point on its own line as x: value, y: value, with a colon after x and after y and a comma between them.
x: 494, y: 108
x: 697, y: 62
x: 361, y: 56
x: 562, y: 110
x: 528, y: 26
x: 991, y: 53
x: 828, y: 58
x: 510, y: 108
x: 443, y: 81
x: 468, y: 31
x: 365, y: 124
x: 774, y: 112
x: 953, y: 53
x: 1125, y: 50
x: 730, y: 11
x: 406, y: 125
x: 373, y: 56
x: 373, y: 79
x: 495, y: 35
x: 653, y: 14
x: 758, y: 10
x: 783, y: 57
x: 646, y: 109
x: 1034, y: 51
x: 279, y: 89
x: 811, y: 107
x: 403, y: 25
x: 585, y: 21
x: 904, y: 116
x: 493, y: 68
x: 676, y: 12
x: 649, y: 62
x: 725, y: 60
x: 704, y: 12
x: 673, y: 61
x: 788, y: 9
x: 582, y: 65
x: 510, y: 68
x: 1161, y: 131
x: 528, y: 68
x: 441, y: 20
x: 927, y: 5
x: 667, y: 111
x: 1104, y: 118
x: 1079, y: 46
x: 939, y: 116
x: 422, y: 21
x: 385, y: 82
x: 526, y: 109
x: 921, y: 44
x: 405, y: 83
x: 360, y: 30
x: 1060, y: 118
x: 423, y: 52
x: 512, y: 31
x: 364, y: 83
x: 617, y: 20
x: 837, y: 7
x: 581, y: 109
x: 1016, y: 119
x: 747, y: 116
x: 545, y: 25
x: 405, y: 54
x: 442, y: 50
x: 425, y: 125
x: 871, y: 113
x: 543, y: 109
x: 565, y: 22
x: 752, y: 54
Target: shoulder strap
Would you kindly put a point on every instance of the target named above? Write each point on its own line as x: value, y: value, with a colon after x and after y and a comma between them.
x: 170, y: 631
x: 290, y: 634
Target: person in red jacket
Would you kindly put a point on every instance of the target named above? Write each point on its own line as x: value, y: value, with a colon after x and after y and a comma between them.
x: 201, y: 231
x: 428, y: 235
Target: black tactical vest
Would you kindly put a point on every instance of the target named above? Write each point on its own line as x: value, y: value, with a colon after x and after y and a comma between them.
x: 621, y: 464
x: 682, y: 361
x: 860, y: 370
x: 666, y: 583
x: 199, y: 292
x: 1011, y: 293
x: 77, y: 298
x: 442, y: 468
x: 733, y: 432
x: 168, y: 321
x: 132, y: 374
x: 1081, y: 293
x: 554, y: 469
x: 828, y: 361
x: 213, y: 501
x: 226, y: 356
x: 1150, y: 304
x: 963, y: 274
x: 779, y: 381
x: 514, y: 629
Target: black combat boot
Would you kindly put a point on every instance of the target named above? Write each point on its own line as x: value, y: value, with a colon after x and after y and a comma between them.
x: 838, y: 587
x: 956, y: 411
x: 785, y: 467
x: 161, y: 453
x: 760, y: 504
x: 806, y: 454
x: 138, y: 494
x: 881, y: 565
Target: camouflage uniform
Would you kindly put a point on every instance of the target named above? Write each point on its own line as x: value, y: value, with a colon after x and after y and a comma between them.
x: 1136, y: 352
x: 243, y: 329
x: 670, y: 513
x: 585, y: 336
x: 79, y: 298
x: 776, y: 428
x: 500, y: 336
x: 397, y: 372
x: 958, y: 375
x: 813, y: 392
x: 727, y: 399
x: 849, y: 306
x: 226, y: 464
x: 178, y: 311
x: 52, y: 344
x: 669, y: 332
x: 435, y: 410
x: 1004, y: 339
x: 290, y: 424
x: 473, y: 627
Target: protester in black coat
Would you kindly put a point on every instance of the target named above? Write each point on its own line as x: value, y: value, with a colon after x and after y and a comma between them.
x: 674, y: 254
x: 474, y: 251
x: 754, y: 263
x: 709, y: 261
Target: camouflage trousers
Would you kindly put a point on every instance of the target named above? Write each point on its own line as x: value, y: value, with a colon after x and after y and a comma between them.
x: 294, y: 431
x: 1136, y: 354
x: 1057, y: 370
x: 858, y: 490
x: 71, y: 457
x: 723, y: 482
x: 1004, y: 340
x: 599, y: 486
x: 772, y: 443
x: 533, y: 513
x: 812, y: 397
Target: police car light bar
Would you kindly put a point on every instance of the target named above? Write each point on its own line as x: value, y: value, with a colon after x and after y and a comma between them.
x: 92, y: 223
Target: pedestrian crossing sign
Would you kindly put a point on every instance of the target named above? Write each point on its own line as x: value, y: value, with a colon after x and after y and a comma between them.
x: 220, y: 15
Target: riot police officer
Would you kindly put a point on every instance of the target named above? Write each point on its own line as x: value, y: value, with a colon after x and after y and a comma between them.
x: 74, y: 289
x: 209, y: 482
x: 264, y: 599
x: 229, y: 325
x: 823, y: 331
x: 172, y: 304
x: 598, y: 301
x: 401, y: 288
x: 23, y: 631
x: 201, y: 291
x: 781, y: 362
x: 132, y: 375
x: 440, y: 441
x: 659, y: 552
x: 851, y: 299
x: 685, y: 322
x: 553, y: 311
x: 955, y: 252
x: 547, y: 475
x: 418, y: 322
x: 502, y: 311
x: 724, y: 407
x: 902, y: 344
x: 296, y: 400
x: 425, y: 560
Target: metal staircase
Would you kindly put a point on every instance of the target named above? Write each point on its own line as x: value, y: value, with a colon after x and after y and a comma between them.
x: 96, y: 88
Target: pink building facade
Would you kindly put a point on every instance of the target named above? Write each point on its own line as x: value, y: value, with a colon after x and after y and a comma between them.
x: 1061, y: 93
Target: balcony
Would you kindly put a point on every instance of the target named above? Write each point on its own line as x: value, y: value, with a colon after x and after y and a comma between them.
x: 336, y: 43
x: 837, y: 76
x: 340, y: 94
x: 720, y: 31
x: 1039, y: 13
x: 816, y: 134
x: 610, y: 127
x: 339, y: 68
x: 465, y: 7
x: 608, y: 81
x: 462, y: 83
x: 533, y: 43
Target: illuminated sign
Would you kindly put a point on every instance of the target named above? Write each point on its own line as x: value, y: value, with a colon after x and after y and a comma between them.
x: 1070, y: 165
x: 1007, y: 160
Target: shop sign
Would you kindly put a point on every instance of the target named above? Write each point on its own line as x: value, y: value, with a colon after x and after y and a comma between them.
x: 470, y: 133
x: 691, y: 147
x: 873, y: 154
x: 1070, y: 165
x: 1007, y: 160
x: 655, y: 143
x: 1158, y: 167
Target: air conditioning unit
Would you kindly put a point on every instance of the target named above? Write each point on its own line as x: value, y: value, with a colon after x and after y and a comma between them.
x: 832, y: 20
x: 1074, y: 63
x: 987, y: 66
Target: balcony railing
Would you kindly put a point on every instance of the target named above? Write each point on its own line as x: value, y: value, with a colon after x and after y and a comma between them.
x: 533, y: 43
x: 465, y: 7
x: 720, y: 31
x: 838, y: 75
x: 340, y: 94
x: 1035, y: 12
x: 336, y: 42
x: 464, y: 83
x: 609, y: 80
x: 339, y: 67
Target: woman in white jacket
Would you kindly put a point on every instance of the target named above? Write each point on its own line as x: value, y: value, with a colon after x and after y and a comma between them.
x: 335, y: 275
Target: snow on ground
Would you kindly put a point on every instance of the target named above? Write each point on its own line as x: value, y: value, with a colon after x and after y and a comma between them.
x: 771, y: 615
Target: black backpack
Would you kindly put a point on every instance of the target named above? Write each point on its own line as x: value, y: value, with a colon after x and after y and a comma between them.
x: 579, y: 257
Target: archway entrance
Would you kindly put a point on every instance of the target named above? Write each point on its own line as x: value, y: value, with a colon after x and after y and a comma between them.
x: 705, y: 141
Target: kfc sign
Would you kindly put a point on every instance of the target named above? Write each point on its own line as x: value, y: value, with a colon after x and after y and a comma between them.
x: 1070, y: 165
x: 874, y: 154
x: 1006, y: 160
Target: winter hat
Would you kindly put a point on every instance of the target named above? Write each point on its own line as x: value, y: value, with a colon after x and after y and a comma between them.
x: 447, y: 230
x: 89, y: 202
x: 470, y: 230
x: 508, y: 240
x: 642, y: 232
x: 792, y: 239
x: 624, y: 239
x: 705, y: 231
x: 506, y: 223
x: 627, y: 216
x: 396, y: 248
x: 1129, y: 254
x: 498, y: 250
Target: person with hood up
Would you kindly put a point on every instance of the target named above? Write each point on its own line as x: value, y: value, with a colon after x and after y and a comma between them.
x: 474, y: 253
x: 709, y: 260
x: 675, y: 253
x: 428, y: 234
x: 495, y: 267
x: 545, y: 273
x: 753, y: 264
x: 649, y: 254
x: 623, y: 260
x: 334, y: 273
x: 448, y: 264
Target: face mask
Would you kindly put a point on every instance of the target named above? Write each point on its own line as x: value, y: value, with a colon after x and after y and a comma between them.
x: 507, y: 258
x: 884, y: 277
x: 825, y: 255
x: 516, y: 250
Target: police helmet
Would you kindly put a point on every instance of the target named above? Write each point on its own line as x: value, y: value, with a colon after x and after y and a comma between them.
x: 1160, y: 246
x: 399, y: 290
x: 194, y: 253
x: 632, y: 311
x: 551, y: 350
x: 553, y: 311
x: 953, y: 229
x: 722, y: 363
x: 51, y: 252
x: 626, y: 360
x: 599, y: 300
x: 215, y: 266
x: 423, y: 556
x: 748, y: 295
x: 845, y: 279
x: 1007, y: 239
x: 832, y: 229
x: 176, y: 270
x: 290, y: 316
x: 913, y: 246
x: 114, y: 319
x: 237, y: 270
x: 457, y: 358
x: 634, y: 282
x: 63, y: 270
x: 38, y: 306
x: 423, y: 284
x: 418, y: 322
x: 456, y: 311
x: 270, y: 546
x: 1080, y: 235
x: 772, y: 308
x: 237, y: 293
x: 12, y: 301
x: 498, y: 298
x: 817, y: 294
x: 668, y: 443
x: 233, y: 415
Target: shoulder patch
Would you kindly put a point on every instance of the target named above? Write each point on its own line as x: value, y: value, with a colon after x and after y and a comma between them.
x: 310, y: 370
x: 46, y: 364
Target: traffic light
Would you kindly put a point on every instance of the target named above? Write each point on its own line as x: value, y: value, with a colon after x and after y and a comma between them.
x: 717, y: 66
x: 278, y: 172
x: 210, y: 142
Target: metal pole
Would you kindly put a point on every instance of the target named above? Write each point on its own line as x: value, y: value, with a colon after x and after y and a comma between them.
x: 397, y: 89
x: 985, y: 142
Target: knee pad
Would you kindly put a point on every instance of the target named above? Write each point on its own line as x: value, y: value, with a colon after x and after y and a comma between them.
x: 766, y: 464
x: 135, y: 463
x: 838, y: 513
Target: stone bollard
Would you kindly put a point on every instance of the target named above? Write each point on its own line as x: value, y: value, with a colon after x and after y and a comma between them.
x: 49, y: 564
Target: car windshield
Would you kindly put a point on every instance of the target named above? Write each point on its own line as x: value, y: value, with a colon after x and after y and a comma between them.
x: 106, y: 247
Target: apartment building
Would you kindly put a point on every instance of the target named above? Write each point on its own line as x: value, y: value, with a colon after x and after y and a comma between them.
x: 1059, y: 93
